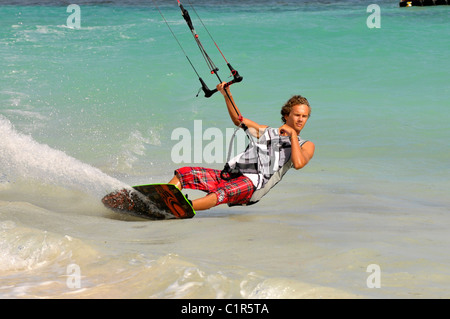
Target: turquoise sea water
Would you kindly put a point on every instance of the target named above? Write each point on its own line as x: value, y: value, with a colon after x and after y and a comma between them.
x: 85, y: 110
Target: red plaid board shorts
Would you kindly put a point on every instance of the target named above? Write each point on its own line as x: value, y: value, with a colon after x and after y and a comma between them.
x: 234, y: 191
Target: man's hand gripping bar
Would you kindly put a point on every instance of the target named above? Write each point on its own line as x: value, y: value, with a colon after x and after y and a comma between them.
x: 236, y: 78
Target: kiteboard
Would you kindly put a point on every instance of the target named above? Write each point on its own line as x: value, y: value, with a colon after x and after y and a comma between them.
x: 154, y: 201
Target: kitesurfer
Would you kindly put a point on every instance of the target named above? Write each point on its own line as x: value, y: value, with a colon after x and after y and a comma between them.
x: 251, y: 174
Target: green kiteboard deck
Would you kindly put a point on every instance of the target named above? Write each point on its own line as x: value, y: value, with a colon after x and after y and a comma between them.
x: 153, y: 201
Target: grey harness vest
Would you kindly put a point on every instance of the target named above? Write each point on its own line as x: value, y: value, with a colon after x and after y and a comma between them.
x: 265, y: 161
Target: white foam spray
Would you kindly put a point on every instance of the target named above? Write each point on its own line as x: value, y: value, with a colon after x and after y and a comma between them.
x: 22, y: 157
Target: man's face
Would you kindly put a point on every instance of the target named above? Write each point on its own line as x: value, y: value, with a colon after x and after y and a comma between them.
x: 297, y: 117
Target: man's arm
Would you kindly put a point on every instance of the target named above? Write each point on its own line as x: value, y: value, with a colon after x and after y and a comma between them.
x: 300, y: 155
x: 235, y: 115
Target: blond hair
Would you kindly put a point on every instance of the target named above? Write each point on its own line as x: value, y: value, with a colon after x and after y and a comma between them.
x: 295, y: 100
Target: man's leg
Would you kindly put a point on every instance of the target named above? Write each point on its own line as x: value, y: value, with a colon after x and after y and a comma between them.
x: 203, y: 203
x: 206, y: 202
x: 208, y: 180
x: 176, y: 181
